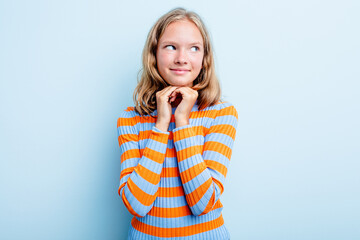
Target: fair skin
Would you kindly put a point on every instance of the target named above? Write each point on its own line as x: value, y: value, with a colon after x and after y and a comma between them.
x: 179, y: 57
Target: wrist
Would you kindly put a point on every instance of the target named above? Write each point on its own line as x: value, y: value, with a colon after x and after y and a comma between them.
x: 181, y: 122
x: 163, y: 126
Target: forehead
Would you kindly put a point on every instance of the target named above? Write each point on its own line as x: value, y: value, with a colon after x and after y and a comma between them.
x: 183, y: 31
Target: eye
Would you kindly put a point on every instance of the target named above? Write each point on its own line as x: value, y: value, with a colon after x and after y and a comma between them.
x: 170, y: 47
x: 196, y: 48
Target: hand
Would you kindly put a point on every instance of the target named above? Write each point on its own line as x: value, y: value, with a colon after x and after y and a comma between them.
x: 163, y: 107
x: 183, y: 110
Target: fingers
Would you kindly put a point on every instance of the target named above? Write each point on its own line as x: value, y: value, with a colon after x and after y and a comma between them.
x: 164, y: 94
x: 186, y: 92
x: 170, y: 93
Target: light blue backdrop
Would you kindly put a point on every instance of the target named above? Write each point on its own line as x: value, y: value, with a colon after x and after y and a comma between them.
x: 68, y: 68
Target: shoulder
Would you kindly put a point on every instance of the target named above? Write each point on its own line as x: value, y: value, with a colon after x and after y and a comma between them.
x: 128, y: 117
x: 223, y: 108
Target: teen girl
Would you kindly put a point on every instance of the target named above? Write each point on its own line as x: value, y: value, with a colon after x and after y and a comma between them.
x: 176, y: 142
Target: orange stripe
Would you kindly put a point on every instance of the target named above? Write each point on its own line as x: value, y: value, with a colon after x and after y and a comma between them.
x: 194, y: 197
x: 170, y: 212
x: 188, y: 152
x: 192, y: 172
x: 147, y: 175
x: 154, y: 155
x: 144, y: 134
x: 216, y: 166
x: 170, y: 153
x: 218, y: 147
x: 124, y: 138
x: 171, y: 192
x: 224, y: 129
x: 132, y: 153
x: 170, y: 172
x: 228, y: 111
x: 177, y: 232
x: 177, y: 211
x: 127, y: 121
x: 198, y: 130
x: 160, y: 137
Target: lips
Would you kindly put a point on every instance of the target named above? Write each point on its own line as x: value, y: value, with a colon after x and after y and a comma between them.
x: 179, y: 71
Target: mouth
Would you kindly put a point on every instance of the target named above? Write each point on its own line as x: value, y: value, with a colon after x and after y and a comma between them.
x: 179, y: 71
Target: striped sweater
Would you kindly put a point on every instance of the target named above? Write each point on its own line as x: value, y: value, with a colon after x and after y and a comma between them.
x: 172, y: 181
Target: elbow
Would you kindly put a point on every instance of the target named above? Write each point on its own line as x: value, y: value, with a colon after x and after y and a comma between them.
x: 196, y: 211
x: 134, y: 207
x: 138, y: 212
x: 199, y: 212
x: 204, y: 205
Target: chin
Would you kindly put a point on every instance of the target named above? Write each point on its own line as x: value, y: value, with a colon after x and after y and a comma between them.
x: 181, y: 84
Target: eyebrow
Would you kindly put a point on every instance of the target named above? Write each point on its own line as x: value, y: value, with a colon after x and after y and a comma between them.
x: 172, y: 42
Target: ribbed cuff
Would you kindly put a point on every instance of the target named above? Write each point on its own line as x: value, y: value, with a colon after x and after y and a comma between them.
x: 155, y: 129
x: 182, y: 127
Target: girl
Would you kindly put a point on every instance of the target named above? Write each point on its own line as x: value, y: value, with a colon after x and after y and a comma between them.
x: 176, y: 142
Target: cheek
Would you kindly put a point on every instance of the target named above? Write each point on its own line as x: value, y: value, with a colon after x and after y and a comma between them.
x: 162, y: 59
x: 197, y: 62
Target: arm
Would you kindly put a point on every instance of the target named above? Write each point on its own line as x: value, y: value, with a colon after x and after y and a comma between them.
x: 140, y: 172
x: 203, y: 167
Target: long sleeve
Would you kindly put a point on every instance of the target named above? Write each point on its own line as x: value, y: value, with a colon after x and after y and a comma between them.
x: 140, y: 169
x: 203, y: 163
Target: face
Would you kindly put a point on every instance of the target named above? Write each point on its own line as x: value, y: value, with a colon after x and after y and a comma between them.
x: 180, y: 53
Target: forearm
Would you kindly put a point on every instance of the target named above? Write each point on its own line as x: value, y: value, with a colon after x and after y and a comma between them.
x: 201, y: 189
x: 140, y: 175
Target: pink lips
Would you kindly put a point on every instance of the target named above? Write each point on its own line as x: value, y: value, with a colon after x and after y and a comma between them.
x: 179, y: 71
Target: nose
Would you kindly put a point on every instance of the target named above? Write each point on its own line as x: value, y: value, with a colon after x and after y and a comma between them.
x: 181, y: 57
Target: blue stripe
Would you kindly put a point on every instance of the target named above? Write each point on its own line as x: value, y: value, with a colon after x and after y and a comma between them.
x: 197, y: 181
x: 217, y: 157
x: 165, y: 202
x: 137, y: 206
x: 129, y: 146
x: 190, y: 162
x: 221, y: 138
x: 168, y: 182
x: 227, y: 119
x: 200, y: 206
x: 126, y: 130
x: 151, y: 165
x: 156, y: 146
x: 131, y: 162
x: 188, y: 142
x: 170, y: 162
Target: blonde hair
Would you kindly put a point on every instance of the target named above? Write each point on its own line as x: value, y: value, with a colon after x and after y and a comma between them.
x: 206, y: 83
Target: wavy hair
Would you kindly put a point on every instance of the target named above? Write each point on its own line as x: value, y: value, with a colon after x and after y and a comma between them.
x: 206, y: 83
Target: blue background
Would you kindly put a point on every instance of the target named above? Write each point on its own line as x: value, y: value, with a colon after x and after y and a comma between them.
x: 291, y: 68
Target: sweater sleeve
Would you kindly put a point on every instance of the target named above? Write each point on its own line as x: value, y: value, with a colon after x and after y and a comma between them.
x: 203, y: 166
x: 140, y: 170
